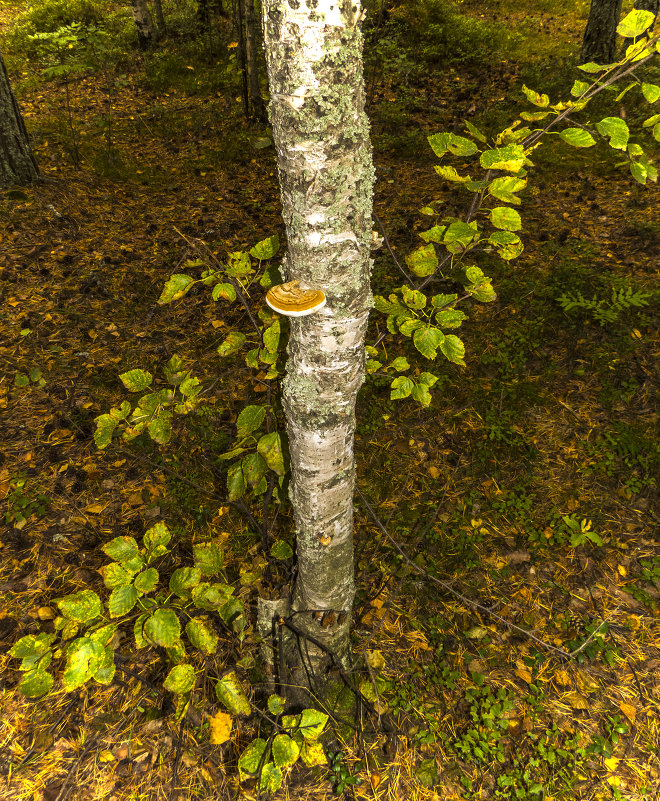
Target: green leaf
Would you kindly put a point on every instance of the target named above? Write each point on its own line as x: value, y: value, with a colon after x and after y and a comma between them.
x: 635, y: 23
x: 122, y: 599
x: 579, y: 88
x: 251, y: 758
x: 84, y: 657
x: 591, y: 66
x: 458, y: 145
x: 423, y: 261
x: 175, y: 288
x: 285, y: 751
x: 21, y: 380
x: 83, y: 607
x: 208, y: 557
x: 266, y: 249
x: 155, y: 540
x: 453, y: 349
x: 281, y: 550
x: 174, y: 370
x: 450, y: 318
x: 534, y: 116
x: 121, y: 549
x: 651, y: 92
x: 235, y: 482
x: 427, y: 340
x: 160, y: 428
x: 510, y: 158
x: 115, y: 575
x: 239, y: 265
x: 234, y: 341
x: 413, y: 298
x: 35, y: 683
x: 105, y: 672
x: 270, y: 447
x: 190, y: 387
x: 249, y: 420
x: 503, y: 188
x: 400, y: 364
x: 577, y: 137
x: 105, y: 428
x: 435, y: 234
x: 202, y: 635
x: 180, y: 680
x: 506, y: 218
x: 616, y: 130
x: 312, y: 723
x: 450, y: 174
x: 461, y: 233
x: 401, y: 387
x: 230, y: 693
x: 225, y: 291
x: 254, y: 468
x: 136, y: 380
x: 534, y: 97
x: 475, y: 131
x: 409, y: 325
x: 233, y: 614
x: 211, y: 596
x: 439, y: 301
x: 507, y: 243
x: 184, y: 579
x: 391, y: 306
x: 421, y: 394
x: 162, y: 628
x: 276, y: 704
x: 271, y: 337
x: 31, y: 648
x: 651, y: 121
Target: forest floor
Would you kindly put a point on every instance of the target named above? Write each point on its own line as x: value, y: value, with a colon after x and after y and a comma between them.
x: 528, y: 486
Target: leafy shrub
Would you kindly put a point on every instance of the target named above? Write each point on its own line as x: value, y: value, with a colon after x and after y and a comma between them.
x: 47, y: 17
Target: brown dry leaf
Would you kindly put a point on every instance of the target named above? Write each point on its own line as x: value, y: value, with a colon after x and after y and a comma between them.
x: 576, y: 700
x: 220, y: 725
x: 562, y: 677
x: 629, y: 711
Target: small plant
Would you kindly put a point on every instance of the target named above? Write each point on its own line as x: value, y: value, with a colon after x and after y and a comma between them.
x: 342, y: 776
x: 25, y: 379
x: 579, y: 531
x: 605, y: 310
x: 21, y: 504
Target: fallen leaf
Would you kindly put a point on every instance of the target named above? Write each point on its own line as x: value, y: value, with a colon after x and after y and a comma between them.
x: 95, y: 508
x: 629, y: 711
x: 220, y: 726
x: 525, y: 675
x: 576, y: 700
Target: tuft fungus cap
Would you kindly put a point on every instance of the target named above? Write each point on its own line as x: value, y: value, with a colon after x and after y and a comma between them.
x: 292, y: 300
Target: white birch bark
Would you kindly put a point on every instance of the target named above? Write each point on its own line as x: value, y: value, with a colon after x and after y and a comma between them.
x: 143, y: 23
x: 321, y: 133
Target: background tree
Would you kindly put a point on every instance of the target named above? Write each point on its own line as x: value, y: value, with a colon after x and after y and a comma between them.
x: 144, y: 24
x: 314, y: 60
x: 600, y: 40
x: 17, y: 163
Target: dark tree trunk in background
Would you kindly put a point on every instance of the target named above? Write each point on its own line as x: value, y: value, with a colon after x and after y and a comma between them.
x: 600, y: 38
x: 160, y: 17
x: 17, y: 164
x: 143, y: 23
x: 257, y: 105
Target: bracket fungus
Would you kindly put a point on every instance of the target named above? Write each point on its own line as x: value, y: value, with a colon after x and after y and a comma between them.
x: 292, y: 300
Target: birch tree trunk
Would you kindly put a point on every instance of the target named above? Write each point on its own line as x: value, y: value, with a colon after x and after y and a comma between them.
x: 17, y: 164
x: 143, y: 23
x: 600, y: 39
x: 321, y: 133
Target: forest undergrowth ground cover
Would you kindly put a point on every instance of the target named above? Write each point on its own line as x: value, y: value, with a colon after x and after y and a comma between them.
x: 529, y: 484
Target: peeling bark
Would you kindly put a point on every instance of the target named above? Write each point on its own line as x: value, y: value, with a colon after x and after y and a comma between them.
x: 321, y: 133
x: 17, y: 163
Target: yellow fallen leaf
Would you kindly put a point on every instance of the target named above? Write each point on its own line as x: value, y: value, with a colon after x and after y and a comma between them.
x: 611, y: 764
x: 614, y: 781
x: 562, y: 677
x: 95, y: 508
x: 220, y: 726
x: 525, y: 675
x: 622, y: 571
x: 629, y: 711
x: 576, y: 700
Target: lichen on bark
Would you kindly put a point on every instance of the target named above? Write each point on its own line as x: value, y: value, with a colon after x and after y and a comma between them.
x: 321, y: 133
